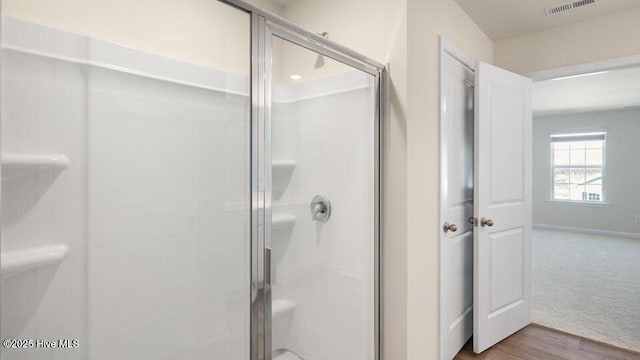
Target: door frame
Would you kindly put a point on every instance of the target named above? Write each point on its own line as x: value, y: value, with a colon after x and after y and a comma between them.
x: 577, y: 69
x: 264, y: 26
x: 447, y: 49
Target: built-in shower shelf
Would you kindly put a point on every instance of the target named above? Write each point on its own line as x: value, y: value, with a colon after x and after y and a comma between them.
x: 14, y: 165
x: 282, y: 312
x: 283, y: 165
x: 281, y: 307
x: 282, y: 221
x: 18, y: 261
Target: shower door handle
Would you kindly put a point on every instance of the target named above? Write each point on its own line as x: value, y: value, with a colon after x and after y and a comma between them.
x: 267, y: 266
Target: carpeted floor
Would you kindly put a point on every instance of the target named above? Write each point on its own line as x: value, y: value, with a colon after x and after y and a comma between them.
x: 588, y: 285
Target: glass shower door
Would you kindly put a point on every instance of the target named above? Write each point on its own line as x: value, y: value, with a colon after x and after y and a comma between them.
x: 125, y: 180
x: 321, y: 147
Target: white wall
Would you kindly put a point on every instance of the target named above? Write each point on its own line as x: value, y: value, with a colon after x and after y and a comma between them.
x: 621, y: 177
x: 598, y: 39
x: 428, y: 20
x: 364, y: 26
x: 203, y: 32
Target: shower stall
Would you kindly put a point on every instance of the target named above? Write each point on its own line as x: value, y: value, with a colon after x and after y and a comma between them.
x: 186, y: 180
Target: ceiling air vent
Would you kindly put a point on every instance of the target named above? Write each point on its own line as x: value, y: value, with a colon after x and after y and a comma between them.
x: 568, y: 6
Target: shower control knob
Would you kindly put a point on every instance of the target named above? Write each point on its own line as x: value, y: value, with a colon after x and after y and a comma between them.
x: 320, y: 208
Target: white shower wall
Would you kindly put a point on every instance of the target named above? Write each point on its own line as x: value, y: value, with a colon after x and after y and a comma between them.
x: 326, y: 126
x: 168, y: 260
x: 44, y: 112
x: 154, y: 203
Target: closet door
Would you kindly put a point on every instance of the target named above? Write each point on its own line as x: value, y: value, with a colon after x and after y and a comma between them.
x: 456, y: 236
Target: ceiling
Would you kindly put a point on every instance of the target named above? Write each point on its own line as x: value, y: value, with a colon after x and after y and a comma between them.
x: 284, y: 2
x: 501, y: 19
x: 616, y: 89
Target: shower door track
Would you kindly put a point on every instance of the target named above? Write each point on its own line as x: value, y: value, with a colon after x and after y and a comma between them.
x: 264, y: 25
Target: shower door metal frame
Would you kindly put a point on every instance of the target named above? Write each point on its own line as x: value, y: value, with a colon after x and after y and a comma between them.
x: 264, y: 26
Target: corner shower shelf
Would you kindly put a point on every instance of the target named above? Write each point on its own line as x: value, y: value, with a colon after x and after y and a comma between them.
x: 282, y: 312
x: 18, y: 261
x: 280, y: 307
x: 281, y: 221
x: 283, y: 165
x: 14, y: 165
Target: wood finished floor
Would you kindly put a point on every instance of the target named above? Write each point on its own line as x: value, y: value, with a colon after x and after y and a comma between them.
x: 536, y: 342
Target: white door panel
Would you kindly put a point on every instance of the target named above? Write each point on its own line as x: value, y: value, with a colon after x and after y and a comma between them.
x: 456, y: 247
x: 502, y: 252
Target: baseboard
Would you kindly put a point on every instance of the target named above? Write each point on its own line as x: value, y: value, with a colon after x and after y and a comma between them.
x: 587, y: 231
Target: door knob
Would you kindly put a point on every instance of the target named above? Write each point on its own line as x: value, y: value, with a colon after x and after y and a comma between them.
x: 450, y: 227
x: 487, y: 222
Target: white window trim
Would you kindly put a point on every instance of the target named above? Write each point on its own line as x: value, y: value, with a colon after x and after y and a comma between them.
x: 603, y: 202
x: 579, y: 203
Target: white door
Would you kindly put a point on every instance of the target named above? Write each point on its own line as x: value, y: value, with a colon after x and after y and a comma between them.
x: 502, y: 205
x: 456, y: 240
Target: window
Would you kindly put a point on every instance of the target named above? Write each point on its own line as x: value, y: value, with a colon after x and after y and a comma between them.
x: 577, y: 166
